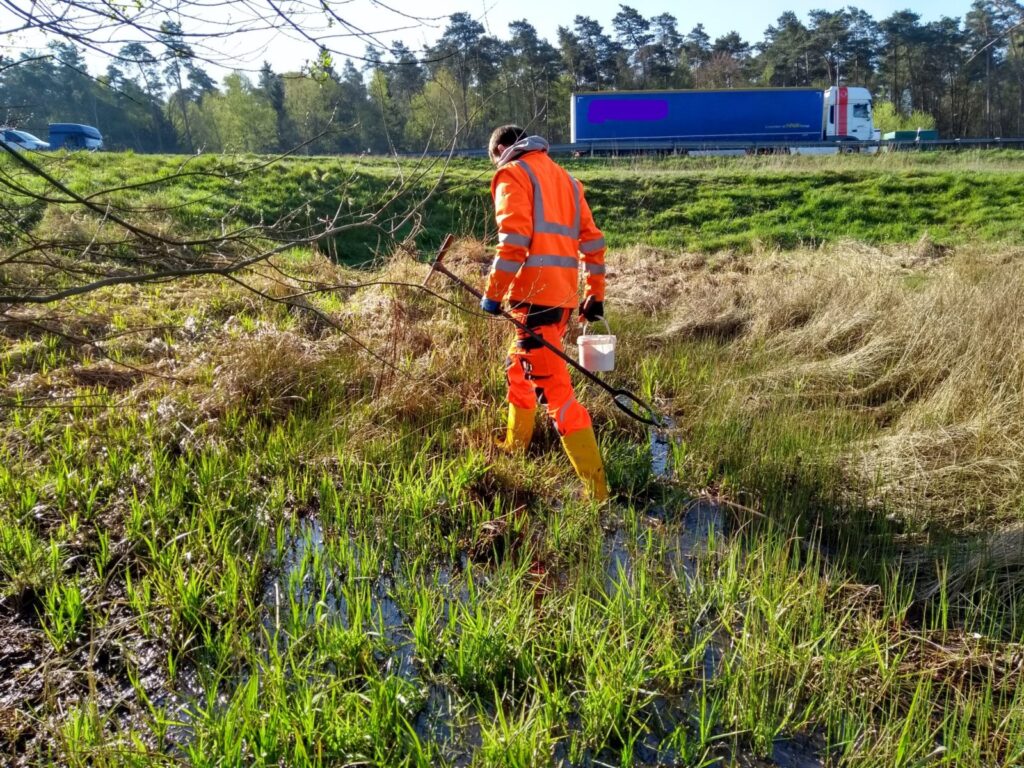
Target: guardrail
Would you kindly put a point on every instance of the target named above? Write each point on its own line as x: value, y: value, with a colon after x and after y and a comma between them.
x: 606, y: 148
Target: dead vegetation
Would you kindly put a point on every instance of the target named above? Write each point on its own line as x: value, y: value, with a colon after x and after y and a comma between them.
x: 928, y: 345
x: 929, y: 341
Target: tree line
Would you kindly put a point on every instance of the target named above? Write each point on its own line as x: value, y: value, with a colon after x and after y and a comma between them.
x: 963, y: 75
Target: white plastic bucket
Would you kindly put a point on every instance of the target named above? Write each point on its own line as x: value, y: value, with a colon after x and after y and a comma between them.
x: 597, y: 350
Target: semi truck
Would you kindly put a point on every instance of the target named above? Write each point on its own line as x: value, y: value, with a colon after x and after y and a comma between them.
x: 801, y: 117
x: 72, y: 136
x: 69, y: 136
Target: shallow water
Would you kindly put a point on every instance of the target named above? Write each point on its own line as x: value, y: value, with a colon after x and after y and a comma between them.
x: 661, y: 449
x: 696, y: 528
x: 385, y: 614
x: 689, y: 532
x: 441, y: 718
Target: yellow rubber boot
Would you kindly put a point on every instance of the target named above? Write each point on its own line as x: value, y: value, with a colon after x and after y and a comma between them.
x: 581, y: 447
x: 520, y: 429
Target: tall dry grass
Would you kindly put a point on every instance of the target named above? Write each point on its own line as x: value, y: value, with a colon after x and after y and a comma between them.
x: 370, y: 345
x: 930, y: 343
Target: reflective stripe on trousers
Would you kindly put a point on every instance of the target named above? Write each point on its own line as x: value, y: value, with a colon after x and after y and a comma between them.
x: 536, y: 375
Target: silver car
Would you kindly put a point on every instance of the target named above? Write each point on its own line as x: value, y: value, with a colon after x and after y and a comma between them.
x: 21, y: 139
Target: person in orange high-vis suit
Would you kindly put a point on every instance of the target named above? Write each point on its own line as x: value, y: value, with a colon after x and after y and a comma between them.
x: 545, y: 233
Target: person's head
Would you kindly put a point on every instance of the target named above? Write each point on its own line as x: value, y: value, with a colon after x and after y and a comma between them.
x: 502, y: 138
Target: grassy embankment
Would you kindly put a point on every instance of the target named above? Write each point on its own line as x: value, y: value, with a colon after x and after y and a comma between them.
x: 696, y: 205
x: 259, y: 544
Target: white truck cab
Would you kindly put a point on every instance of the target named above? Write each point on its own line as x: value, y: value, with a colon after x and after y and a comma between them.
x: 848, y: 114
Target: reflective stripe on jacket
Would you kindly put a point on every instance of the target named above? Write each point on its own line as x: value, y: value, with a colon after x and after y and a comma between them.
x: 545, y: 228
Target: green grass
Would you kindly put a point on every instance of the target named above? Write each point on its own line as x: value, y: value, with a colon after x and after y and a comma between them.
x: 696, y: 204
x: 274, y: 548
x: 286, y: 554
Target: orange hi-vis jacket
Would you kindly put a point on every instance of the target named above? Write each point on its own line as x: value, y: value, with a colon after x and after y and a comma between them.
x: 544, y: 227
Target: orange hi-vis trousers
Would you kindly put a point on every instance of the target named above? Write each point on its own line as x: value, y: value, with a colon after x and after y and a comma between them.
x: 537, y: 375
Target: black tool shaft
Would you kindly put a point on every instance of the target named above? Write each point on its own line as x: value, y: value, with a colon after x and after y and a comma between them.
x: 621, y: 397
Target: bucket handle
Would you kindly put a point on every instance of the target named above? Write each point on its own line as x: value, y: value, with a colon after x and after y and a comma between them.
x: 602, y: 319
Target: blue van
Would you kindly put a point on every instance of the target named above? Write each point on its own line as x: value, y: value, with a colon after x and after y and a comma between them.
x: 74, y: 136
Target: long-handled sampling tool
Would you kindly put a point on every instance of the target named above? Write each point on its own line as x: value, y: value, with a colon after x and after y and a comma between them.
x: 626, y: 401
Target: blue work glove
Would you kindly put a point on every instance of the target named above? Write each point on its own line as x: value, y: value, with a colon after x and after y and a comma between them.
x: 591, y: 309
x: 490, y: 306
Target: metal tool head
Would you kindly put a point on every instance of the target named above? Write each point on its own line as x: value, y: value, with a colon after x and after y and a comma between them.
x: 448, y: 240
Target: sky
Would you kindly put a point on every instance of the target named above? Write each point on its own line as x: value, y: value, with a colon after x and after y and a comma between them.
x: 387, y: 20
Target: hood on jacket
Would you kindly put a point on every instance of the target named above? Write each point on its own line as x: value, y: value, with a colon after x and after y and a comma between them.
x: 521, y: 147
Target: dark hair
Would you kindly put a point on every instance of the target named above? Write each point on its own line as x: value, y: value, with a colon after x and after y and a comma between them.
x: 506, y: 135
